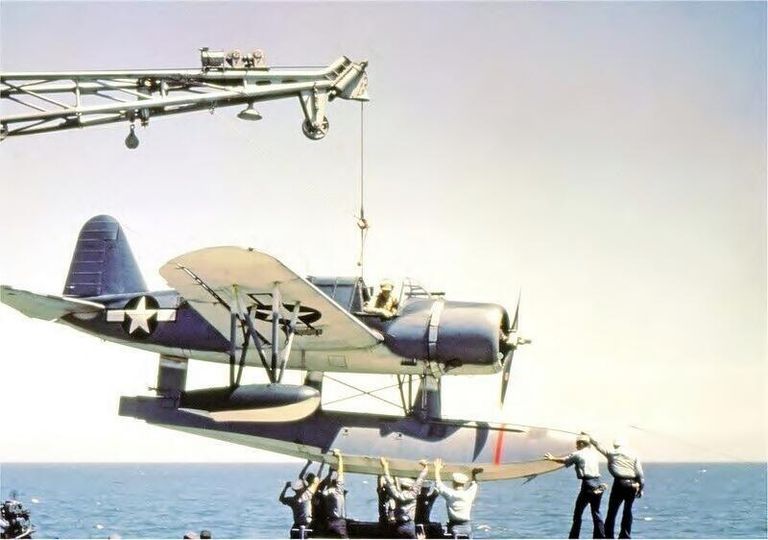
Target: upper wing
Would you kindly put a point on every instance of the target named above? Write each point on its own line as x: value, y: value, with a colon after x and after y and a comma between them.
x: 217, y: 280
x: 45, y: 307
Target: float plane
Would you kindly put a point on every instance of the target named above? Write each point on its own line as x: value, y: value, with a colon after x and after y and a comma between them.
x: 243, y: 307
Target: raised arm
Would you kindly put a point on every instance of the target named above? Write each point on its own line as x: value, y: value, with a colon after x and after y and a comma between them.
x: 550, y: 457
x: 422, y: 475
x: 389, y: 483
x: 314, y: 485
x: 305, y: 468
x: 282, y: 498
x: 340, y: 467
x: 385, y: 465
x: 438, y: 468
x: 596, y: 444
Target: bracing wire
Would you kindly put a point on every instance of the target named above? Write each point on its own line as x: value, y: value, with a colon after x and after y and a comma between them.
x: 361, y: 392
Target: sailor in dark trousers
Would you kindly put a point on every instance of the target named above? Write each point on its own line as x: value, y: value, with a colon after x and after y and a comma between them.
x: 628, y: 483
x: 386, y: 505
x: 591, y: 492
x: 424, y: 503
x: 405, y: 500
x: 333, y: 502
x: 300, y: 503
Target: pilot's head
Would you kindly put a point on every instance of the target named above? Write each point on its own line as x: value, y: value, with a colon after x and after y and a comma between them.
x: 386, y: 287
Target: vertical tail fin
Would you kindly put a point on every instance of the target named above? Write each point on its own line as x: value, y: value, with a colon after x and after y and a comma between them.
x: 103, y: 262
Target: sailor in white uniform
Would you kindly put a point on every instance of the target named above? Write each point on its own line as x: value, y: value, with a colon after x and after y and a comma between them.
x: 458, y: 500
x: 587, y: 468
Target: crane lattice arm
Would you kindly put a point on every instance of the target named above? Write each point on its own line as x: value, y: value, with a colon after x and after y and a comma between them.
x: 55, y: 101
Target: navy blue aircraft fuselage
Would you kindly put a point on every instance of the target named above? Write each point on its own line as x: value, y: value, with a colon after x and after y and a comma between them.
x: 245, y: 308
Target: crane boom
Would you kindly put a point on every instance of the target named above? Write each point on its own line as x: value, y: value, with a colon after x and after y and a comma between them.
x: 43, y: 102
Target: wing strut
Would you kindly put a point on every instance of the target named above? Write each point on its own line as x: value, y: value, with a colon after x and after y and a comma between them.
x: 286, y: 352
x: 278, y: 357
x: 243, y: 319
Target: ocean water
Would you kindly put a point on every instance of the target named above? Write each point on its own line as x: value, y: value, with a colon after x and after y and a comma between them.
x: 240, y: 501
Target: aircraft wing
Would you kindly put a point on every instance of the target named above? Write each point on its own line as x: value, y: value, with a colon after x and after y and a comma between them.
x: 217, y: 280
x: 45, y: 307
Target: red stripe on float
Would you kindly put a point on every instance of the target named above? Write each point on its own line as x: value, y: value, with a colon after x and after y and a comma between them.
x: 499, y: 445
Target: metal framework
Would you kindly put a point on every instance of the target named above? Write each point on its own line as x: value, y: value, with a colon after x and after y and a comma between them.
x: 55, y: 101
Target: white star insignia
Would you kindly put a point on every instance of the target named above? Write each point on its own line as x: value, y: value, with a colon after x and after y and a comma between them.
x: 140, y: 316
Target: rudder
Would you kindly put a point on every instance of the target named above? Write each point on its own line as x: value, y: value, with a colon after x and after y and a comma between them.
x: 103, y: 262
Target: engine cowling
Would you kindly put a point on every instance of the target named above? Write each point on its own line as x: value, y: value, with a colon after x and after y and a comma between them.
x: 455, y: 333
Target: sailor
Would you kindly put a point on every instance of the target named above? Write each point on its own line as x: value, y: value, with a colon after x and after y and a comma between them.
x: 318, y: 511
x: 458, y: 499
x: 405, y: 499
x: 300, y: 503
x: 628, y: 483
x: 424, y: 503
x: 333, y: 501
x: 386, y: 504
x: 385, y: 303
x: 587, y: 470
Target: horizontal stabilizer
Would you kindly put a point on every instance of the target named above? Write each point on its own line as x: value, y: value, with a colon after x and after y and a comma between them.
x: 45, y: 307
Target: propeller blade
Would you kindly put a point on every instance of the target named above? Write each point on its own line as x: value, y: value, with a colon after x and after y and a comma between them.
x: 513, y: 328
x: 505, y: 374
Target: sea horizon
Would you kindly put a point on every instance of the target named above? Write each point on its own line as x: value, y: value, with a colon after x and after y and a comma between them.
x: 239, y: 500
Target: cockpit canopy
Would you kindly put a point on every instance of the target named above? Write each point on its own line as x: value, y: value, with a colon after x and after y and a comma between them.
x: 352, y: 294
x: 349, y: 292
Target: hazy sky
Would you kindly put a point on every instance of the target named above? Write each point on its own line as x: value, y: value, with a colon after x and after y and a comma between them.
x: 607, y: 159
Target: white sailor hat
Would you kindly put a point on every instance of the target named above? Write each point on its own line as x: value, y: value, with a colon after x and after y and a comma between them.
x: 297, y: 484
x: 460, y: 478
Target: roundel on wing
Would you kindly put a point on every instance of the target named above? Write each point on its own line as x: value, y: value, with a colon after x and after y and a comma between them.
x: 306, y: 315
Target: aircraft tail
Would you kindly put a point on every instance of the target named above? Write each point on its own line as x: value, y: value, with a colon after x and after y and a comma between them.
x: 103, y: 262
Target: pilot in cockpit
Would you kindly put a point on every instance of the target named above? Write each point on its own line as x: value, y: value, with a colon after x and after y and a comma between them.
x: 385, y: 303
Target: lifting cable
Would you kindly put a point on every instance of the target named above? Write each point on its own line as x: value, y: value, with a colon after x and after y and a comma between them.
x: 362, y: 223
